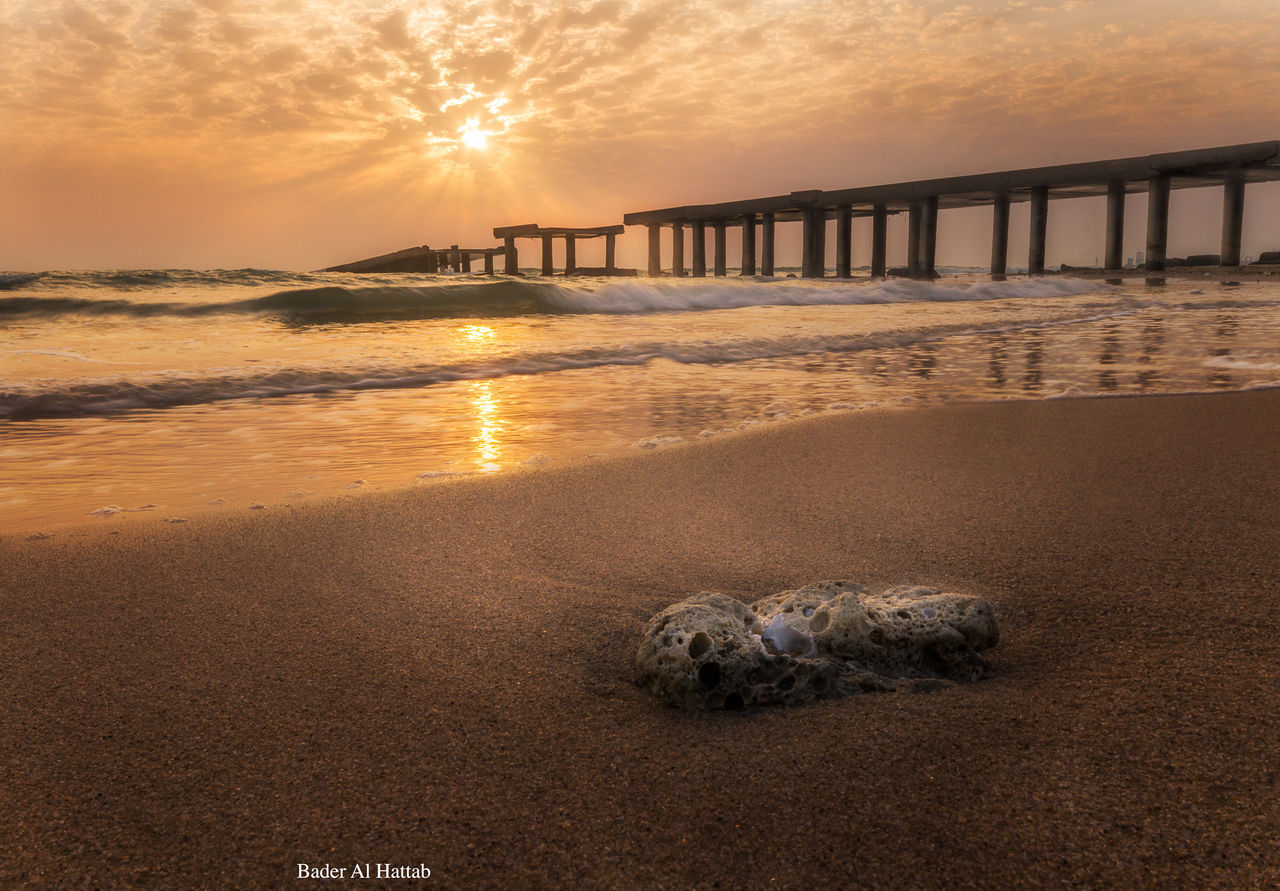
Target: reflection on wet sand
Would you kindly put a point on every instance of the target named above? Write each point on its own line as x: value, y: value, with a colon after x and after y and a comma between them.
x: 1034, y: 376
x: 1227, y: 326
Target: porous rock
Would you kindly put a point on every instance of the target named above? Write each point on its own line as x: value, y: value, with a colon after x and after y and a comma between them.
x: 830, y: 639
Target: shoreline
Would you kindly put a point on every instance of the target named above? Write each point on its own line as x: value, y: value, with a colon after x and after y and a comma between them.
x: 442, y: 675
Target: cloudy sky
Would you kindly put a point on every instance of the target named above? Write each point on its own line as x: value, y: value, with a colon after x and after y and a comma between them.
x: 300, y: 133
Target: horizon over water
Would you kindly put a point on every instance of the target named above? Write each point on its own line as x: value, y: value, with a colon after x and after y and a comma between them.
x: 170, y: 392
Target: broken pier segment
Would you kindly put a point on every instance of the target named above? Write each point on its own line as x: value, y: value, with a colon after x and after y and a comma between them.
x: 570, y: 234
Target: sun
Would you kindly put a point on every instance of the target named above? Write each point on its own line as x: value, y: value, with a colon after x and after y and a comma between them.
x: 472, y: 136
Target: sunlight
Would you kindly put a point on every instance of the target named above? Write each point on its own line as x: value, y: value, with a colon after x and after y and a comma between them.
x: 473, y: 136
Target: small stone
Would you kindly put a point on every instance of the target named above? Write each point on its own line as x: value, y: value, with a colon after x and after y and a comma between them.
x: 830, y: 639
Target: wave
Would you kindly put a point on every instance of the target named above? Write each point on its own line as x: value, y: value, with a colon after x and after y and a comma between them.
x: 116, y: 396
x: 346, y: 302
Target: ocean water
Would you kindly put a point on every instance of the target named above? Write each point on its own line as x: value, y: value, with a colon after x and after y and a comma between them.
x: 171, y: 392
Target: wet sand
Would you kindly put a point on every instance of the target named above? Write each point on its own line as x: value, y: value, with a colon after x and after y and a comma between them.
x: 441, y: 676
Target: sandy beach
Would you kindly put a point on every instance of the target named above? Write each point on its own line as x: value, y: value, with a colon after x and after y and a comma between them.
x: 442, y: 676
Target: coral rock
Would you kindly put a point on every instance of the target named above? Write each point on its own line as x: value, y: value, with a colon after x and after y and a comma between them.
x: 831, y: 639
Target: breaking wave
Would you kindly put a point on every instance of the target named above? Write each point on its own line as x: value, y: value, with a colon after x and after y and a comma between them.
x: 105, y: 397
x: 325, y: 298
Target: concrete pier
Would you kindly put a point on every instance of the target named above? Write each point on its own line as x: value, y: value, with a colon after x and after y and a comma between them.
x: 914, y: 214
x: 570, y: 255
x: 1038, y: 238
x: 721, y: 269
x: 879, y: 240
x: 1231, y: 167
x: 1232, y: 219
x: 1113, y: 255
x: 766, y: 243
x: 655, y: 250
x: 929, y: 237
x: 1157, y: 221
x: 700, y: 248
x: 548, y: 257
x: 571, y: 235
x: 1000, y: 235
x: 677, y: 249
x: 844, y: 240
x: 749, y: 244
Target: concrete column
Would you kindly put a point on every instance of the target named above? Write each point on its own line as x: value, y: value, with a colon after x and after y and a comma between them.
x: 455, y: 258
x: 512, y: 256
x: 466, y: 261
x: 929, y: 237
x: 1039, y: 229
x: 1000, y: 235
x: 766, y: 244
x: 844, y: 240
x: 610, y: 252
x: 718, y: 225
x: 548, y: 264
x: 700, y: 248
x: 749, y: 244
x: 1114, y: 248
x: 815, y: 243
x: 1232, y: 218
x: 677, y: 249
x: 570, y: 255
x: 433, y: 261
x: 1157, y: 221
x: 655, y: 250
x: 488, y: 263
x: 914, y: 215
x: 879, y: 240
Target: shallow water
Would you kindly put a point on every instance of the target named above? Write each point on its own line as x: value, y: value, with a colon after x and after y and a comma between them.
x: 181, y: 391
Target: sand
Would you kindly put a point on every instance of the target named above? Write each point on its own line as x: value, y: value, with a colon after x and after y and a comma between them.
x: 441, y: 676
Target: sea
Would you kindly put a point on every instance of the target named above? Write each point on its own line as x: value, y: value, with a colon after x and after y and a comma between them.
x: 175, y: 393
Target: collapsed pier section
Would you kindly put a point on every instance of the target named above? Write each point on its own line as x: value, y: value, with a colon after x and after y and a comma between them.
x: 571, y: 236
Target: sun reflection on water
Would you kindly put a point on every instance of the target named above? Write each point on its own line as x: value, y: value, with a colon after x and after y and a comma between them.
x: 488, y: 438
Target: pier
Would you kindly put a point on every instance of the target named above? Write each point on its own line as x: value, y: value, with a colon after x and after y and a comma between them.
x: 423, y: 259
x: 571, y: 235
x: 1230, y: 168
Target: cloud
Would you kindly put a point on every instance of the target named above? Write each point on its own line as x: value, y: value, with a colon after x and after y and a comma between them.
x: 644, y: 102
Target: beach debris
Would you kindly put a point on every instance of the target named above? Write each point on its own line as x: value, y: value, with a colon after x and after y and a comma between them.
x: 257, y: 505
x: 109, y: 511
x: 39, y: 536
x: 713, y: 651
x: 175, y: 519
x: 218, y: 501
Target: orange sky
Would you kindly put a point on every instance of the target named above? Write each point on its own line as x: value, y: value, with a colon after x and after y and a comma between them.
x: 298, y: 133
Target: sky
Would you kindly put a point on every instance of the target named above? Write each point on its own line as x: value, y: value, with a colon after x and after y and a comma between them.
x: 297, y: 134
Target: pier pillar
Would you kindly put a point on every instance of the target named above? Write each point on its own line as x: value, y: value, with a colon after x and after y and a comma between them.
x: 879, y: 240
x: 1000, y: 235
x: 655, y: 250
x: 466, y: 261
x: 749, y: 244
x: 433, y: 261
x: 766, y: 244
x: 844, y: 240
x: 1039, y: 229
x: 700, y: 248
x: 813, y: 263
x: 548, y: 264
x: 677, y: 250
x: 488, y: 263
x: 512, y: 256
x: 929, y: 237
x: 914, y: 215
x: 1114, y: 252
x: 718, y: 226
x: 570, y: 255
x: 1157, y: 221
x: 455, y: 258
x: 1232, y: 218
x: 610, y: 252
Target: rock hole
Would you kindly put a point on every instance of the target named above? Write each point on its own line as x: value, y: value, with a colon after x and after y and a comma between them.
x: 819, y: 685
x: 787, y: 683
x: 709, y: 675
x: 903, y: 614
x: 734, y: 702
x: 934, y: 659
x: 820, y: 621
x: 699, y: 644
